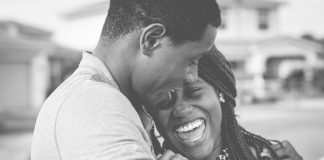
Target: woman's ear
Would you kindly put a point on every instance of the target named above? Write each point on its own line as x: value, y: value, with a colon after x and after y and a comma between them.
x: 150, y: 37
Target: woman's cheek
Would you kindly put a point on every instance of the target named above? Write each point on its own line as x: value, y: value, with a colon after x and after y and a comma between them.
x: 163, y: 118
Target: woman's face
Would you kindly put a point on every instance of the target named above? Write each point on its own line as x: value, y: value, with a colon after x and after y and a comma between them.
x: 192, y: 122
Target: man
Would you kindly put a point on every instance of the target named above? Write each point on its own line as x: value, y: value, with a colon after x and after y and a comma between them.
x: 146, y: 48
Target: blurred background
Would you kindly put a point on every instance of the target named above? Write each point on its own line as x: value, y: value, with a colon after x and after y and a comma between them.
x: 276, y: 48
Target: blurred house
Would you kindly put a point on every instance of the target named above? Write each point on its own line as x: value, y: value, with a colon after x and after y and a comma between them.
x: 261, y: 56
x: 30, y: 65
x: 283, y: 62
x: 250, y: 38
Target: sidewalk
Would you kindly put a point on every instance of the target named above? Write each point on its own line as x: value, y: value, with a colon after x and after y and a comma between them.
x: 307, y: 104
x: 300, y: 121
x: 16, y: 134
x: 280, y: 109
x: 15, y: 146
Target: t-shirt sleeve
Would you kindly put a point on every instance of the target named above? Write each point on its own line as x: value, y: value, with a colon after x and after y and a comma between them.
x: 99, y: 123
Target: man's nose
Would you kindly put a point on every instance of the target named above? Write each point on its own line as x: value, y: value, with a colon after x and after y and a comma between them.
x: 192, y: 74
x: 182, y: 109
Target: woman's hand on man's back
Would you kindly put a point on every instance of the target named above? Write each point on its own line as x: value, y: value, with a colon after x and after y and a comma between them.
x: 286, y: 151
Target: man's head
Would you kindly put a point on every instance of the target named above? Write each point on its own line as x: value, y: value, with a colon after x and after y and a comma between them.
x: 162, y: 41
x: 184, y: 20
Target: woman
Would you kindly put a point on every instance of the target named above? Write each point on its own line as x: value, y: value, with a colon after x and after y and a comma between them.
x: 199, y: 121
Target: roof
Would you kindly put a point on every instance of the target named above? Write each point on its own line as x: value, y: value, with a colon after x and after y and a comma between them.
x: 235, y: 49
x: 278, y: 41
x: 250, y: 3
x: 7, y: 27
x: 240, y: 49
x: 17, y: 38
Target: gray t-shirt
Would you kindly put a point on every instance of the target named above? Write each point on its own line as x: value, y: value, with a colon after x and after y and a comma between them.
x: 87, y: 117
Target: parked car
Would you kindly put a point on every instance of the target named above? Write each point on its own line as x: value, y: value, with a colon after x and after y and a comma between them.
x: 249, y: 92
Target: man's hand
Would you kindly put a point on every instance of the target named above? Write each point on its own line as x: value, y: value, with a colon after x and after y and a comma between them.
x: 169, y: 155
x: 286, y: 151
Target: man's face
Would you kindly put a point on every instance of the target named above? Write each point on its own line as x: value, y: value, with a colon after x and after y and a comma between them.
x: 168, y: 67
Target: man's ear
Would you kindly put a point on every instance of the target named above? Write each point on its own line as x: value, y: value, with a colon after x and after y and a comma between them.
x: 151, y: 36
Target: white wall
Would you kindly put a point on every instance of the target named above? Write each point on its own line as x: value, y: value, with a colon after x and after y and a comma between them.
x: 242, y: 23
x: 14, y: 84
x: 39, y: 80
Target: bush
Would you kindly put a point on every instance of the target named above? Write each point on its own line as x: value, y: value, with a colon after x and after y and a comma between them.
x: 318, y: 80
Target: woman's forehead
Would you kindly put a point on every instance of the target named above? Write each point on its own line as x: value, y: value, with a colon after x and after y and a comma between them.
x: 199, y: 82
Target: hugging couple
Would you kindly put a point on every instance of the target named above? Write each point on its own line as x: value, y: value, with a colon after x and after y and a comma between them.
x: 155, y: 66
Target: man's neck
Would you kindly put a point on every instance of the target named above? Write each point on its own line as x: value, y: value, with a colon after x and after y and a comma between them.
x: 118, y: 66
x: 121, y: 76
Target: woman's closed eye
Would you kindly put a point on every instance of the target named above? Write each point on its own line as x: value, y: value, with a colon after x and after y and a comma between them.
x: 166, y: 104
x: 192, y: 92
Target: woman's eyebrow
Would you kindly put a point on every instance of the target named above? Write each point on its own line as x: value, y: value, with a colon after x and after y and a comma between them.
x: 199, y: 81
x: 193, y: 84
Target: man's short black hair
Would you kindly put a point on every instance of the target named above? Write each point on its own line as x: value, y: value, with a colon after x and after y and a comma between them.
x: 185, y: 20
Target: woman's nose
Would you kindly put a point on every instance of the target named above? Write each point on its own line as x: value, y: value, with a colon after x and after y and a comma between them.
x: 182, y: 109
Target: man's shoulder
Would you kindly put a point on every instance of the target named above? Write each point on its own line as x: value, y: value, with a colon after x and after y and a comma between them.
x: 98, y: 93
x: 83, y: 84
x: 95, y: 102
x: 79, y: 95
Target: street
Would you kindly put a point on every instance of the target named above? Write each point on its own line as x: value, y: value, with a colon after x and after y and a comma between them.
x: 302, y: 125
x: 15, y: 146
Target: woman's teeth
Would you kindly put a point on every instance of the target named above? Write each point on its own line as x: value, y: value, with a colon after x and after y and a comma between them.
x: 190, y: 126
x: 191, y: 131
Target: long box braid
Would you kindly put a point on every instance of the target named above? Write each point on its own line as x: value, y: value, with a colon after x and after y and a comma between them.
x: 216, y: 70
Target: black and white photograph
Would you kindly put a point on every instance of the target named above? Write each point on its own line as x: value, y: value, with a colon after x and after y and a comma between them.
x: 161, y: 80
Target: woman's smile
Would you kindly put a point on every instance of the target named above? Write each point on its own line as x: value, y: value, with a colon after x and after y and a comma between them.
x: 191, y: 132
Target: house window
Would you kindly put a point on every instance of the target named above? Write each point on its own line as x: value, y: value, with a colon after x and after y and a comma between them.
x: 263, y: 15
x: 224, y: 18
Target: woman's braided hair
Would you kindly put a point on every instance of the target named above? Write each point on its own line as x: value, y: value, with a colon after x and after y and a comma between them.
x: 216, y: 70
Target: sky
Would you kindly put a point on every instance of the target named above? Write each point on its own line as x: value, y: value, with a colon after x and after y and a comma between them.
x: 46, y: 14
x: 296, y: 17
